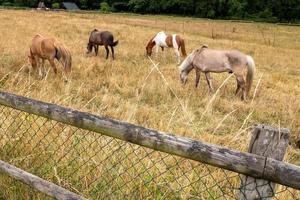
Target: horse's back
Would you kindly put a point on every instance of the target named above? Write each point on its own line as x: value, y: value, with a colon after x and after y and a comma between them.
x: 161, y: 39
x: 106, y: 35
x: 211, y: 55
x: 48, y: 44
x: 36, y: 40
x: 210, y: 60
x: 219, y: 56
x: 236, y: 57
x: 43, y: 46
x: 35, y: 46
x: 101, y: 37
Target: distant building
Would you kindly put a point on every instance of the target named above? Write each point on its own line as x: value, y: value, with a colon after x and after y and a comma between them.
x: 41, y: 6
x: 69, y: 6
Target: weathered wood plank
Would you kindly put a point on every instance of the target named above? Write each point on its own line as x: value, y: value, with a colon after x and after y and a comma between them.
x: 240, y: 162
x: 271, y: 143
x: 43, y: 186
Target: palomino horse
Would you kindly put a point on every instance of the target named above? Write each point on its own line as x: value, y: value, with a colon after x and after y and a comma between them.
x: 42, y: 48
x: 208, y: 60
x: 101, y: 38
x: 169, y: 41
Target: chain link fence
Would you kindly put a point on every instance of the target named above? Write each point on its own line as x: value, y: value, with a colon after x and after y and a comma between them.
x: 101, y: 167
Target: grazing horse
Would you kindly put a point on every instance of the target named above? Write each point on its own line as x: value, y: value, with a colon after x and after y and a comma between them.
x: 208, y: 60
x: 44, y: 48
x: 169, y: 41
x: 101, y: 38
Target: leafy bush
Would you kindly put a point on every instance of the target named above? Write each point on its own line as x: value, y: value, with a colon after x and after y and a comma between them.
x: 104, y: 7
x: 55, y: 6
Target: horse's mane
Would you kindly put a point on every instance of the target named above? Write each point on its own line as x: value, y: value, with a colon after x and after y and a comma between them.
x: 187, y: 61
x: 151, y: 43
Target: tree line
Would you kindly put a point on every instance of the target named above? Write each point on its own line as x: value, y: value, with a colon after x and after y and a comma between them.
x: 264, y: 10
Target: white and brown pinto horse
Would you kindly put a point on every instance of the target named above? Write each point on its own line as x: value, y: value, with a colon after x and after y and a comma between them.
x: 163, y: 40
x: 208, y: 60
x: 44, y: 48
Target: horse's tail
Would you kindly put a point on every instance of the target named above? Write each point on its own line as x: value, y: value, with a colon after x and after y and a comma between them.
x: 115, y: 43
x: 63, y: 55
x: 250, y: 73
x: 182, y: 48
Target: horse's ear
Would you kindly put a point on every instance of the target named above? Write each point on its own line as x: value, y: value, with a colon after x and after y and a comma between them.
x: 204, y: 46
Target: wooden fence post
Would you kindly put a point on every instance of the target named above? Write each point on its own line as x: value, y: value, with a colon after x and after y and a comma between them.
x: 36, y: 182
x: 269, y: 142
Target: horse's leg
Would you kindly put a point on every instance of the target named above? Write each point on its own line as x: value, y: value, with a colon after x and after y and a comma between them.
x: 156, y: 51
x: 52, y: 63
x: 96, y: 47
x: 197, y: 77
x: 39, y: 66
x: 178, y: 55
x: 238, y: 88
x: 209, y: 81
x: 242, y: 84
x: 112, y: 52
x: 43, y: 67
x: 107, y: 51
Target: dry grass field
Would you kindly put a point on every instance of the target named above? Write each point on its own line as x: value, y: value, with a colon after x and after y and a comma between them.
x: 130, y: 89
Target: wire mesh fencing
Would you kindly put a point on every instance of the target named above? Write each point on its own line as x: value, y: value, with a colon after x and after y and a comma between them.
x: 100, y: 167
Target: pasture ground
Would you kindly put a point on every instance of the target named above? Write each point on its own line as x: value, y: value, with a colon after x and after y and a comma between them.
x: 130, y: 89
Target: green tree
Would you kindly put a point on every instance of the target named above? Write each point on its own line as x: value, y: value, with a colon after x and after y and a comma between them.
x: 104, y: 7
x: 236, y: 8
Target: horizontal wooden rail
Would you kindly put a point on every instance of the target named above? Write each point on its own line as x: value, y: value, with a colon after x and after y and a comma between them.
x: 43, y: 186
x: 244, y: 163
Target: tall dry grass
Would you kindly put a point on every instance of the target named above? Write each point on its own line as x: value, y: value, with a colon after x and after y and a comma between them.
x: 132, y: 89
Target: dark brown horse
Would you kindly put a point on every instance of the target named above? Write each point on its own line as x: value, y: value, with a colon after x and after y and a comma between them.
x: 99, y: 38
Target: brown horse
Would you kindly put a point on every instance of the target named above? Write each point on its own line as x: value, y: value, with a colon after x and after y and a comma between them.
x: 208, y: 60
x: 105, y: 38
x: 163, y: 40
x: 44, y: 48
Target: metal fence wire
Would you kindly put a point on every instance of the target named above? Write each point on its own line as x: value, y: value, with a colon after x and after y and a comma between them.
x: 101, y: 167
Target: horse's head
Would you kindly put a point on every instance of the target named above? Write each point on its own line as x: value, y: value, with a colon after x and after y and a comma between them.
x: 150, y: 46
x: 149, y: 49
x: 183, y: 77
x: 32, y: 62
x: 89, y: 47
x: 185, y: 68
